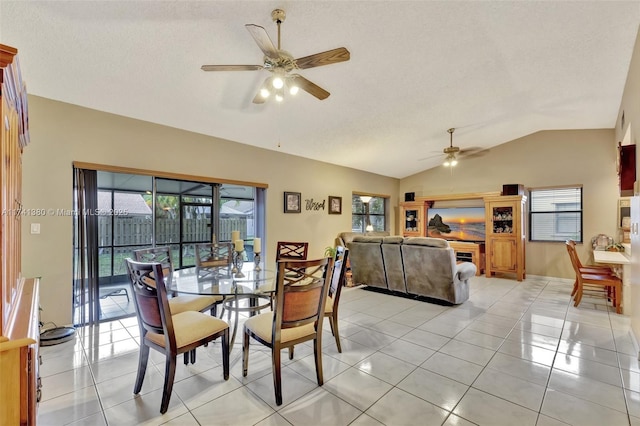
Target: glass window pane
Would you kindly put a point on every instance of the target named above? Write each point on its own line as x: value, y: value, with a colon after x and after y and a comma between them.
x: 167, y: 219
x: 556, y: 214
x: 376, y: 205
x: 237, y: 215
x: 373, y: 212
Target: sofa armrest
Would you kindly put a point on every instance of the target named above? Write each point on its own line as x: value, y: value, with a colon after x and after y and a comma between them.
x: 465, y: 270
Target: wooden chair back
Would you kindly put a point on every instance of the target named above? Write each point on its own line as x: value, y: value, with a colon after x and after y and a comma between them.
x: 214, y: 254
x: 300, y: 296
x: 338, y: 274
x: 575, y: 261
x: 161, y: 255
x: 150, y: 299
x: 338, y: 277
x: 292, y: 250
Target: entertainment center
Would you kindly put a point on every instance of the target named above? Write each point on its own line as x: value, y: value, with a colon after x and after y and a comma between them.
x: 486, y: 229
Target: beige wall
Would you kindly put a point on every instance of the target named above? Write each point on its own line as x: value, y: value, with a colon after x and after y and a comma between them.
x: 631, y: 106
x: 548, y: 158
x: 63, y: 133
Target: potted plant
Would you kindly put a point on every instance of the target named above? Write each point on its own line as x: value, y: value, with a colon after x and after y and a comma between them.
x: 329, y: 251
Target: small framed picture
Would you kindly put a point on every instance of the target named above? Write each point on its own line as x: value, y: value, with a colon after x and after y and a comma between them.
x: 335, y: 205
x: 292, y: 202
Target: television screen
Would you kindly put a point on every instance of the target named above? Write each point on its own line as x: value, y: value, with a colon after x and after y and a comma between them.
x: 457, y: 223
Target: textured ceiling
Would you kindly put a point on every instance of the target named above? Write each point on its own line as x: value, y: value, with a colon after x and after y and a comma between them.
x: 494, y: 70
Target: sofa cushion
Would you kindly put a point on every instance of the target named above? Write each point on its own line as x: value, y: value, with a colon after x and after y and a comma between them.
x: 367, y: 239
x: 344, y: 238
x: 365, y: 255
x: 426, y: 241
x: 393, y: 268
x: 393, y: 240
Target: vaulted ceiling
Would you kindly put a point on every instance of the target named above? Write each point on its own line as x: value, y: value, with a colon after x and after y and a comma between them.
x: 494, y: 70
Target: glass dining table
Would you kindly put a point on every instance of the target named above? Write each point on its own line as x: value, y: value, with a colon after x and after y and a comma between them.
x: 254, y: 287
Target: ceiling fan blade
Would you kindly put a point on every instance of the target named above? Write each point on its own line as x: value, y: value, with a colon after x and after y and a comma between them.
x: 473, y: 152
x: 231, y: 67
x: 261, y: 37
x: 430, y: 157
x: 325, y: 58
x: 258, y: 98
x: 310, y: 87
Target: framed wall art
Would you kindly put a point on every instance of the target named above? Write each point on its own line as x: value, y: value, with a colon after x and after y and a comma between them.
x: 292, y: 202
x: 335, y: 205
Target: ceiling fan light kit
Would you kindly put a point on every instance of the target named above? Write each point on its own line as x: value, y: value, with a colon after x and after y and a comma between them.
x: 450, y: 160
x: 281, y: 63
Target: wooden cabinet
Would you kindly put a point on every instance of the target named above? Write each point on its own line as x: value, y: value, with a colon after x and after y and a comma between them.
x: 626, y: 168
x: 469, y: 252
x: 412, y: 219
x: 505, y: 235
x: 19, y: 297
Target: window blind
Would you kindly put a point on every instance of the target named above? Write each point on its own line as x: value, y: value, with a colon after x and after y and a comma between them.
x: 555, y: 214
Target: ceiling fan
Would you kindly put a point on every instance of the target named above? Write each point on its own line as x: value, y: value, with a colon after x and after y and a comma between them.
x: 281, y: 64
x: 453, y: 153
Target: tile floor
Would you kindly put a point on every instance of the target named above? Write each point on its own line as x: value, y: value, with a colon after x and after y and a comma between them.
x: 513, y: 354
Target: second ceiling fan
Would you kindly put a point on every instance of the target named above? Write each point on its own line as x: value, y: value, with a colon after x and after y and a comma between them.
x: 281, y: 64
x: 453, y: 152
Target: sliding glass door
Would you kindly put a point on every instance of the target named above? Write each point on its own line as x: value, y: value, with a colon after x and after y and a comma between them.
x: 138, y: 211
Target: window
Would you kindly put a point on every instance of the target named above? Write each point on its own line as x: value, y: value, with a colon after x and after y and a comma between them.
x: 555, y: 214
x: 371, y: 213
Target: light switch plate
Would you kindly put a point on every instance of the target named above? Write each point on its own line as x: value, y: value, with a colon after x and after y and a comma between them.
x: 35, y: 228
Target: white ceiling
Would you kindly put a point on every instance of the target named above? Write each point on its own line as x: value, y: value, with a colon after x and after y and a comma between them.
x: 495, y: 70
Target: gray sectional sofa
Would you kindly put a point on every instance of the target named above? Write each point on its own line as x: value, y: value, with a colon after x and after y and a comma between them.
x: 419, y: 266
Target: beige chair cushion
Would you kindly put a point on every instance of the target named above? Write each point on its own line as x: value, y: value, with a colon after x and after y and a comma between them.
x: 185, y: 303
x: 328, y: 306
x: 261, y: 326
x: 190, y: 327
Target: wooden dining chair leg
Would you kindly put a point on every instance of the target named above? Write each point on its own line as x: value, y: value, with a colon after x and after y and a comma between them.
x: 333, y: 322
x: 317, y: 351
x: 575, y: 288
x: 169, y: 376
x: 225, y: 354
x: 578, y: 296
x: 245, y: 353
x: 277, y: 373
x: 143, y: 359
x: 618, y: 297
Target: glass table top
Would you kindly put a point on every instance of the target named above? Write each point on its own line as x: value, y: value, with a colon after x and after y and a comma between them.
x: 223, y: 281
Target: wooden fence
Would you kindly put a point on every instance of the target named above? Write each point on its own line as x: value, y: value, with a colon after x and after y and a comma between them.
x: 139, y: 230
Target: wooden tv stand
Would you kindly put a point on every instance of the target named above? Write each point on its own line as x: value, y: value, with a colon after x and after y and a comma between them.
x: 469, y: 252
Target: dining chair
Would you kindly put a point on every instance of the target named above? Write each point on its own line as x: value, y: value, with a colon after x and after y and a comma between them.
x: 177, y: 303
x: 608, y: 282
x: 587, y: 269
x: 167, y: 332
x: 338, y: 277
x: 297, y: 316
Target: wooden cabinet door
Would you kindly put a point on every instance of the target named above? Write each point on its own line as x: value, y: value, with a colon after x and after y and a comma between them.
x: 503, y: 254
x: 412, y: 219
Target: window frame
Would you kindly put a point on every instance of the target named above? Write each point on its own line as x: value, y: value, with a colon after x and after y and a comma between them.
x: 579, y: 211
x: 356, y: 203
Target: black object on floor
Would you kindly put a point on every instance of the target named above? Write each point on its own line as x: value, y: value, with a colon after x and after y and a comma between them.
x: 56, y: 335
